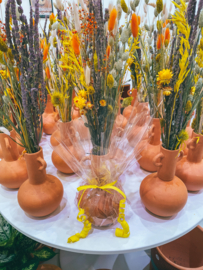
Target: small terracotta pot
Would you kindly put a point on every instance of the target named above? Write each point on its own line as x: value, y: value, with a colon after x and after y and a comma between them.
x: 42, y: 193
x: 163, y: 193
x: 152, y: 149
x: 48, y: 267
x: 190, y: 168
x: 63, y: 159
x: 189, y: 131
x: 131, y: 108
x: 50, y: 118
x: 184, y: 253
x: 141, y: 108
x: 119, y: 125
x: 13, y: 168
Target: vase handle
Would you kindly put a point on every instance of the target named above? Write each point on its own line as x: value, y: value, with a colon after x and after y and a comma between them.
x: 7, y: 143
x: 180, y: 156
x: 156, y: 158
x: 192, y: 143
x: 151, y: 131
x: 83, y: 160
x: 43, y: 163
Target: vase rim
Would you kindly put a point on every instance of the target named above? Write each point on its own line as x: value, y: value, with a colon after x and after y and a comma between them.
x: 197, y: 134
x: 167, y: 150
x: 33, y: 154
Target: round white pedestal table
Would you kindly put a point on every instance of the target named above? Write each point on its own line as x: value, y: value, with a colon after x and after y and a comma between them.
x: 147, y: 230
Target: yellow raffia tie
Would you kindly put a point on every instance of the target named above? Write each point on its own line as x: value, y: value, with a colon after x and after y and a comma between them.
x: 22, y: 154
x: 124, y: 232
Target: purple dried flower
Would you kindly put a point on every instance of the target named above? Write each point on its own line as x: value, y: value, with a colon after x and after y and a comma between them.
x: 20, y: 10
x: 19, y: 2
x: 191, y: 11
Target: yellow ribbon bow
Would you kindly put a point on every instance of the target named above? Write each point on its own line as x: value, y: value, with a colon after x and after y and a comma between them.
x: 124, y: 232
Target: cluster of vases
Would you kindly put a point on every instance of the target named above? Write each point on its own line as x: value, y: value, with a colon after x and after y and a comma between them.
x: 163, y: 192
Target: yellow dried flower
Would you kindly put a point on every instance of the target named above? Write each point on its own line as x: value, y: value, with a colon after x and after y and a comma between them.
x: 166, y: 42
x: 192, y: 91
x: 183, y: 136
x: 90, y: 90
x: 166, y: 93
x: 110, y: 81
x: 194, y: 123
x: 3, y: 74
x: 159, y: 6
x: 57, y: 99
x: 188, y: 106
x: 89, y: 105
x: 95, y: 62
x: 55, y: 42
x: 110, y: 109
x: 164, y: 76
x: 159, y: 25
x: 130, y: 61
x: 79, y: 102
x: 3, y: 46
x: 127, y: 101
x: 124, y: 6
x: 1, y: 58
x: 83, y: 94
x: 158, y: 57
x: 102, y: 102
x: 200, y: 46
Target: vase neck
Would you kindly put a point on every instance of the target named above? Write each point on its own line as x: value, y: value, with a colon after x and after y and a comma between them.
x: 36, y: 167
x: 49, y: 107
x: 9, y: 147
x: 195, y: 148
x: 66, y: 130
x: 155, y: 132
x: 168, y: 164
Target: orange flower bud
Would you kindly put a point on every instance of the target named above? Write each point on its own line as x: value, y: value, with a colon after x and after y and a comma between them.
x: 42, y: 44
x: 167, y: 35
x: 33, y: 20
x: 134, y: 25
x: 160, y: 41
x: 45, y: 53
x: 108, y: 51
x: 166, y: 22
x: 76, y: 44
x: 47, y: 73
x: 112, y: 19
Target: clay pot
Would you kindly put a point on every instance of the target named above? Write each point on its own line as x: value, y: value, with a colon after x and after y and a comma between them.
x: 48, y: 267
x: 152, y: 149
x: 75, y: 114
x: 184, y: 253
x: 163, y: 193
x: 190, y: 168
x: 189, y: 131
x: 141, y: 108
x: 50, y: 118
x: 131, y: 108
x: 13, y: 168
x: 1, y: 153
x: 119, y: 125
x: 42, y: 193
x: 63, y: 159
x: 78, y: 126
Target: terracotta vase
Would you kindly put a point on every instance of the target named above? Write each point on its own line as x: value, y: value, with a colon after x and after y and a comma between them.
x: 141, y: 108
x: 184, y: 253
x: 50, y: 118
x: 78, y: 126
x: 131, y: 110
x: 1, y: 153
x: 189, y: 131
x: 190, y: 168
x: 42, y: 193
x: 152, y: 149
x: 163, y: 193
x: 75, y: 114
x: 13, y: 168
x: 62, y: 157
x: 119, y: 125
x: 48, y: 267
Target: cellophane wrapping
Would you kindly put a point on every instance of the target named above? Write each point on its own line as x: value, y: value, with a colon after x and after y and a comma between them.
x: 75, y: 146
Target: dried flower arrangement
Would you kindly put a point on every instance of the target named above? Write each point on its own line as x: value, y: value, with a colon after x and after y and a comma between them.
x: 24, y: 87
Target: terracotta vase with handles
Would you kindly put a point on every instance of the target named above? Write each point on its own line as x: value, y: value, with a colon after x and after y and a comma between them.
x: 190, y: 168
x: 189, y: 130
x: 63, y: 159
x: 141, y: 108
x: 163, y: 193
x: 152, y: 148
x: 131, y: 110
x: 42, y: 193
x: 50, y: 118
x: 12, y: 166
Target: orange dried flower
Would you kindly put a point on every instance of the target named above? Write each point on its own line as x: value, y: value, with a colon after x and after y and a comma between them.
x: 160, y: 41
x: 112, y: 19
x: 47, y: 73
x: 33, y: 20
x: 167, y: 35
x: 45, y: 53
x: 138, y: 17
x: 76, y: 44
x: 108, y: 51
x: 166, y: 22
x: 0, y: 1
x: 134, y: 25
x: 42, y: 44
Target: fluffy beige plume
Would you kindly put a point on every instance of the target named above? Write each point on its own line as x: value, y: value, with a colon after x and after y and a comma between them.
x: 152, y: 5
x: 115, y: 30
x: 87, y: 75
x: 83, y: 5
x: 76, y: 17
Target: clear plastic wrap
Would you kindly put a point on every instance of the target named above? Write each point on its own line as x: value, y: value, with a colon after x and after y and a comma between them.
x: 100, y: 194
